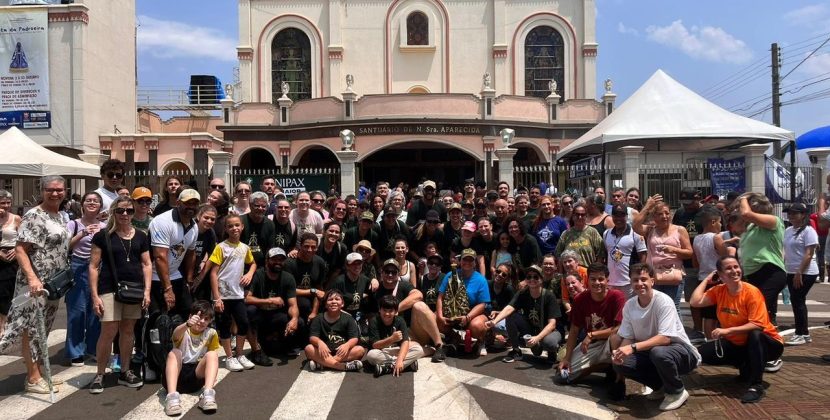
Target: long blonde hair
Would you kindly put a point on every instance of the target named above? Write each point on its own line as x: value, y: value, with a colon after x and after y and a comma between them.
x: 111, y: 220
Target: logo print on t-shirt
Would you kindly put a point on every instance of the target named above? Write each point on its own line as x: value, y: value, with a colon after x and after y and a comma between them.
x: 253, y: 243
x: 533, y: 317
x: 431, y: 297
x: 597, y: 323
x: 279, y: 240
x: 306, y: 282
x: 355, y: 302
x: 335, y: 339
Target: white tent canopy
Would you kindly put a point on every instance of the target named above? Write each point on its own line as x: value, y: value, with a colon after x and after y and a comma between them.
x: 665, y: 115
x: 23, y: 157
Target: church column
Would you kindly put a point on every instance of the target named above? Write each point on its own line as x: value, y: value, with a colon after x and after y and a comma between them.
x: 756, y: 166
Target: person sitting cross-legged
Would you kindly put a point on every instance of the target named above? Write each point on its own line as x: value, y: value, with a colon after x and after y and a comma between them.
x: 334, y: 338
x: 651, y: 346
x: 392, y: 351
x: 532, y: 312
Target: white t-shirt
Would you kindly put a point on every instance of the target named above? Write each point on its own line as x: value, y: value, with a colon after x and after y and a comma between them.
x: 619, y: 250
x: 794, y: 247
x: 707, y: 255
x: 658, y: 318
x: 167, y: 232
x: 312, y: 223
x: 107, y: 197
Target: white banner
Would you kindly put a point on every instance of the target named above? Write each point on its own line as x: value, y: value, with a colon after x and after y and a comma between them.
x: 24, y: 60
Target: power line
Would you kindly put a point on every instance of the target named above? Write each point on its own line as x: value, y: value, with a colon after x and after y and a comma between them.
x: 728, y: 79
x: 806, y: 58
x: 738, y: 84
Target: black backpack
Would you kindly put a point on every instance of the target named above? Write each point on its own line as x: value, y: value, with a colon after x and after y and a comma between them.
x: 157, y: 340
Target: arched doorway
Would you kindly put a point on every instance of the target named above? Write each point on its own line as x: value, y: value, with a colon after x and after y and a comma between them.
x: 257, y: 158
x: 411, y: 162
x: 318, y: 157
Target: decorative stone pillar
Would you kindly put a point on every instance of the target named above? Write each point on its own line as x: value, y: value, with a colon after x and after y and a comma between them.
x: 820, y: 154
x: 221, y: 165
x: 488, y: 96
x: 284, y: 103
x: 505, y: 155
x: 348, y: 176
x: 349, y: 98
x: 609, y: 97
x: 553, y: 104
x: 756, y: 167
x: 489, y: 147
x: 631, y: 165
x: 227, y: 105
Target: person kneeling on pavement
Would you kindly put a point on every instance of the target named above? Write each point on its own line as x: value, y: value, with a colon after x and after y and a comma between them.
x: 598, y: 313
x: 395, y: 351
x: 651, y: 346
x: 334, y: 338
x: 274, y: 316
x: 531, y: 319
x: 746, y: 338
x: 194, y: 362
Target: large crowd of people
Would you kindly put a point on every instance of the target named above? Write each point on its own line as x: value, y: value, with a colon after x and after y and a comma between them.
x: 378, y: 280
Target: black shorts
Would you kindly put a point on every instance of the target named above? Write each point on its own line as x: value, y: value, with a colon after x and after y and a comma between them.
x: 188, y: 381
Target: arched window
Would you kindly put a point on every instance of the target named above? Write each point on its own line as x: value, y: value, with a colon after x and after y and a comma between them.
x: 544, y: 61
x: 417, y: 29
x: 291, y: 63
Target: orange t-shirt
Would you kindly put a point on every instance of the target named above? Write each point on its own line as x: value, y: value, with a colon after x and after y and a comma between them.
x: 747, y: 306
x: 583, y: 273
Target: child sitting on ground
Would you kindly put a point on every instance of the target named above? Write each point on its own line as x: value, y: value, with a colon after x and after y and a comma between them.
x: 385, y: 352
x: 193, y: 363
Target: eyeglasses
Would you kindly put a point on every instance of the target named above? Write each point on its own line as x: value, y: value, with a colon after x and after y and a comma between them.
x: 317, y: 200
x: 502, y: 273
x: 567, y: 203
x: 339, y: 209
x: 53, y: 190
x: 434, y: 264
x: 243, y: 191
x: 122, y: 210
x: 580, y: 215
x: 144, y: 201
x: 217, y: 187
x: 390, y: 272
x: 115, y: 175
x: 533, y: 278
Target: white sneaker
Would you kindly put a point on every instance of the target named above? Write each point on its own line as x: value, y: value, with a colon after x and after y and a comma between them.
x: 656, y: 395
x: 207, y: 401
x: 674, y: 401
x: 233, y: 365
x: 796, y: 340
x: 247, y: 364
x: 172, y: 404
x: 773, y: 366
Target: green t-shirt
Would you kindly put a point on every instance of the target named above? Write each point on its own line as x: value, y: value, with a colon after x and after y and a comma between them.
x: 355, y: 293
x: 760, y: 246
x: 379, y: 331
x: 143, y: 225
x: 587, y: 243
x: 336, y: 333
x: 263, y: 288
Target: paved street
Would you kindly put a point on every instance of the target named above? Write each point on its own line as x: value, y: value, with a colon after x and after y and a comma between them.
x: 460, y: 388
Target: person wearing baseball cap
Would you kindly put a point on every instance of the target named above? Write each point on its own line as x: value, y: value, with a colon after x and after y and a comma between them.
x: 143, y: 199
x: 355, y: 287
x: 364, y: 231
x: 390, y: 229
x: 420, y: 207
x: 478, y: 296
x: 428, y: 232
x: 273, y: 312
x: 431, y: 279
x: 452, y: 229
x: 800, y: 243
x: 416, y: 313
x: 466, y: 240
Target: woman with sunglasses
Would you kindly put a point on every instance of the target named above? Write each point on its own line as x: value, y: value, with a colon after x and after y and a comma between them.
x: 242, y: 196
x: 170, y: 194
x: 566, y: 207
x: 82, y: 326
x: 318, y: 200
x: 428, y: 283
x: 582, y: 239
x: 130, y: 248
x: 338, y: 212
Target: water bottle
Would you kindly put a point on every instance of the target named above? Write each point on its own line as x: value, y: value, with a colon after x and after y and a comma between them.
x: 468, y: 342
x: 21, y: 300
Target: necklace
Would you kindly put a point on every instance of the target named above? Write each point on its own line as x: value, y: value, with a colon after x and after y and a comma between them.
x: 127, y: 247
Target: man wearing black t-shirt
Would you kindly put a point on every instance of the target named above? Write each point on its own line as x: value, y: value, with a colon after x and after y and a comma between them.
x: 259, y: 230
x: 285, y: 234
x: 418, y: 212
x: 390, y: 229
x: 309, y: 271
x: 273, y: 311
x: 355, y: 287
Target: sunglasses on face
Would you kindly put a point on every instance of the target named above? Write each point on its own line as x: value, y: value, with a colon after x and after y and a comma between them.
x: 243, y: 191
x: 390, y: 272
x: 317, y: 200
x: 567, y: 203
x: 122, y: 210
x: 533, y: 278
x: 115, y: 175
x: 144, y: 201
x: 217, y: 187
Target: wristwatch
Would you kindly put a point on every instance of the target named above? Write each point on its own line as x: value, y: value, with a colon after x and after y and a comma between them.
x: 634, y: 347
x: 313, y: 291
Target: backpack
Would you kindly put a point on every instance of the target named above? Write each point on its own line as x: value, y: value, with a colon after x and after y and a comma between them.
x: 157, y: 341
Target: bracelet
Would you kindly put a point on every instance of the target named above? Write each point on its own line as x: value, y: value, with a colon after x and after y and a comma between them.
x: 168, y: 288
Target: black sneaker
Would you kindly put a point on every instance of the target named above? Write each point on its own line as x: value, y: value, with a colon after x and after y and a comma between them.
x: 414, y: 366
x: 354, y: 366
x: 512, y: 356
x: 754, y: 394
x: 439, y: 355
x: 773, y: 365
x: 78, y: 361
x: 616, y: 391
x: 383, y: 369
x: 261, y: 359
x: 129, y: 379
x: 97, y: 385
x: 536, y: 350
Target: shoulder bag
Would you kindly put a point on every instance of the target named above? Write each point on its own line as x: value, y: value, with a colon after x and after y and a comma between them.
x: 127, y: 292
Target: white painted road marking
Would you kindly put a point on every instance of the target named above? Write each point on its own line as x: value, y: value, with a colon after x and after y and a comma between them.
x: 439, y: 395
x: 311, y: 395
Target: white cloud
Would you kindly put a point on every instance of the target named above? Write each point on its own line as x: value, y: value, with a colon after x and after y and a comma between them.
x: 816, y: 65
x: 621, y: 28
x: 706, y: 43
x: 807, y: 14
x: 171, y: 39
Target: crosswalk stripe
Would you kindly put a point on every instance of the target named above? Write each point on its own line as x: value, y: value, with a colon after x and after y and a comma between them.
x: 439, y: 395
x: 549, y: 398
x: 324, y: 386
x: 153, y: 407
x: 26, y: 405
x: 55, y: 337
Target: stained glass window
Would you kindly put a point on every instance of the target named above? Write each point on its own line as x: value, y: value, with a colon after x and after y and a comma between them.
x: 291, y: 63
x: 544, y: 61
x: 417, y: 29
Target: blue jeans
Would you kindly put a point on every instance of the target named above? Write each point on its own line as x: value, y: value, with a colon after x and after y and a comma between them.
x: 674, y: 292
x: 82, y: 325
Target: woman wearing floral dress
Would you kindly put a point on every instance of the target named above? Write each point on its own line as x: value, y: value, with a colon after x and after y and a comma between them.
x: 42, y: 249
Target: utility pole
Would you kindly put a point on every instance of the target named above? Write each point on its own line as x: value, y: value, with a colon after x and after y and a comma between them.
x: 776, y: 115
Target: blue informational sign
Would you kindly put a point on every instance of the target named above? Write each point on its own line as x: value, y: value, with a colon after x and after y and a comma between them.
x: 727, y: 175
x: 25, y: 119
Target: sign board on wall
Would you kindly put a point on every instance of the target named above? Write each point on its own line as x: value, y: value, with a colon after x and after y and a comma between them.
x: 292, y: 185
x: 727, y: 175
x: 24, y: 68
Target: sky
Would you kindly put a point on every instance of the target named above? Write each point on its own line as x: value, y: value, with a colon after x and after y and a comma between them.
x: 718, y: 48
